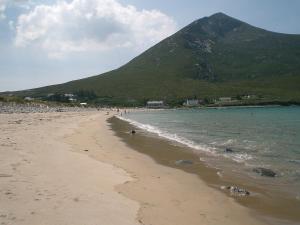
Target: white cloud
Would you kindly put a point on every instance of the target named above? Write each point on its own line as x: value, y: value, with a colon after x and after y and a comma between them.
x: 2, y: 9
x: 91, y: 25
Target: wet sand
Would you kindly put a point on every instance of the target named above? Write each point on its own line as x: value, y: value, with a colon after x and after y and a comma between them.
x: 72, y: 168
x: 267, y: 204
x: 167, y: 196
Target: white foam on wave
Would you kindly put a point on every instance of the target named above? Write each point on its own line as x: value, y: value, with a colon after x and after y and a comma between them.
x: 237, y: 157
x: 169, y: 136
x: 294, y: 161
x: 228, y: 142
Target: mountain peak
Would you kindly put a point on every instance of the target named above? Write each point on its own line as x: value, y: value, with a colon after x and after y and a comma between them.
x: 223, y: 18
x: 219, y: 15
x: 214, y: 26
x: 212, y: 57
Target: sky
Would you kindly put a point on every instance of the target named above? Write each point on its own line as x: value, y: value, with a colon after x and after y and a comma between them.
x: 44, y: 42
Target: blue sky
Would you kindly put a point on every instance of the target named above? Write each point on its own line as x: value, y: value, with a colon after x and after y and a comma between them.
x: 48, y: 42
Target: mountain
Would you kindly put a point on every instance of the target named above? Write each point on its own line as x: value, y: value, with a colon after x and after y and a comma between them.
x: 211, y: 57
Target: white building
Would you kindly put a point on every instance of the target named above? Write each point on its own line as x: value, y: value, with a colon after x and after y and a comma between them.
x: 155, y: 104
x: 72, y: 99
x: 28, y: 99
x: 69, y: 95
x: 191, y: 102
x: 225, y: 99
x: 83, y: 103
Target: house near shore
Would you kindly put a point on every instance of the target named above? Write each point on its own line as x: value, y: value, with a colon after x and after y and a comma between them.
x: 192, y: 102
x: 83, y: 104
x: 155, y: 104
x: 69, y: 95
x: 225, y: 99
x: 28, y: 99
x: 72, y: 99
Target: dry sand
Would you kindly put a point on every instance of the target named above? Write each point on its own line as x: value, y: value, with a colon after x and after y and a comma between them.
x: 70, y: 168
x: 43, y: 182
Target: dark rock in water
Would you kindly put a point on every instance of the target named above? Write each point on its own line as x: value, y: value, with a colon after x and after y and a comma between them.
x: 234, y: 190
x: 184, y: 162
x: 133, y: 132
x: 228, y: 150
x: 239, y: 191
x: 264, y: 172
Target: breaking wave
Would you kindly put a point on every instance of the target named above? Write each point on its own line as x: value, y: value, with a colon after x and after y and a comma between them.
x: 237, y: 157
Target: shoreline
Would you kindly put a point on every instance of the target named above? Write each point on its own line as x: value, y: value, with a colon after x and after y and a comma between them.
x: 269, y: 205
x: 167, y: 196
x: 74, y: 168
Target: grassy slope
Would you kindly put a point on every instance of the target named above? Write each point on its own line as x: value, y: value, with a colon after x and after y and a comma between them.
x: 242, y: 60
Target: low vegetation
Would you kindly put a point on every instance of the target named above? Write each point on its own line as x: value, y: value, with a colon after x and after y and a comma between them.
x: 216, y: 56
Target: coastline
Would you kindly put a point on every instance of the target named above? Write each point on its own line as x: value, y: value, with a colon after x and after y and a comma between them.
x: 270, y: 205
x: 74, y: 168
x: 167, y: 196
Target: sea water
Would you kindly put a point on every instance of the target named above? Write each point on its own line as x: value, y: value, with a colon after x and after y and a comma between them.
x: 267, y: 137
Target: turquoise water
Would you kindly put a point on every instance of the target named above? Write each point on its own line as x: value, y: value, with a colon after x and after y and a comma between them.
x: 266, y: 137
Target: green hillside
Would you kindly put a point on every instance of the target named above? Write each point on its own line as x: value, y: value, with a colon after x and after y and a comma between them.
x: 212, y: 57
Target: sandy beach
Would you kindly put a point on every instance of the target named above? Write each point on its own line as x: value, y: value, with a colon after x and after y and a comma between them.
x: 70, y: 168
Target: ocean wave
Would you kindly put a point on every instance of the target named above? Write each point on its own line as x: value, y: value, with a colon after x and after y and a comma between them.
x: 228, y: 142
x: 169, y: 136
x: 297, y: 161
x: 237, y: 157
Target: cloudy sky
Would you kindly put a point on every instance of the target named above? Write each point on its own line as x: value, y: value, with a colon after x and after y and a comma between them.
x: 46, y: 42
